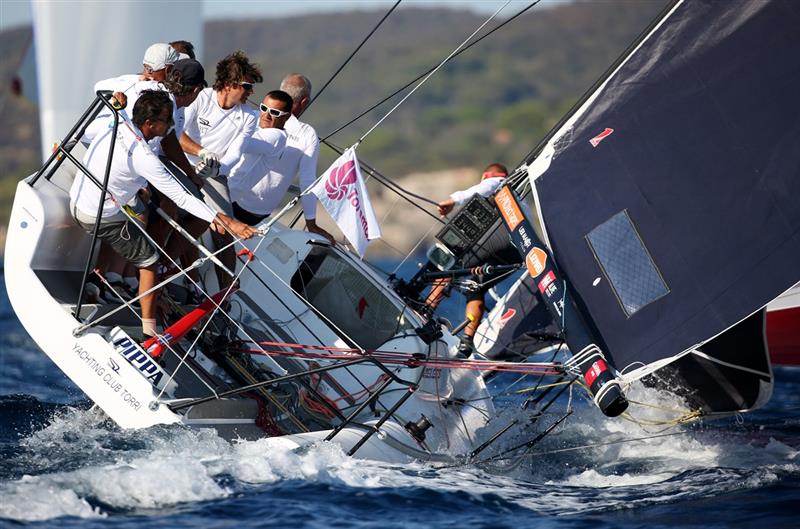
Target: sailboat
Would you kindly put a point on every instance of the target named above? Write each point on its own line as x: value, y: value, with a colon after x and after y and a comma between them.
x: 668, y: 198
x: 663, y: 225
x: 783, y: 328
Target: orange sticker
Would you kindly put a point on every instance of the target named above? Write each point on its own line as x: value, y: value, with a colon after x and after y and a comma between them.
x: 508, y: 208
x: 536, y: 260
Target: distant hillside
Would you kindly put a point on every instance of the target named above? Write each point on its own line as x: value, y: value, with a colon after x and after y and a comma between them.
x: 493, y: 102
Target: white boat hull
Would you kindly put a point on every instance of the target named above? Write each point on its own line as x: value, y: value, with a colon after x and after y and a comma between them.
x: 46, y: 254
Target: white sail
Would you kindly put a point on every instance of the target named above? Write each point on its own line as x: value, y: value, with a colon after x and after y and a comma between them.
x: 79, y: 43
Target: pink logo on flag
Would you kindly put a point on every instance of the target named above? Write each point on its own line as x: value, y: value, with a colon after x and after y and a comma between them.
x: 342, y: 192
x: 339, y: 179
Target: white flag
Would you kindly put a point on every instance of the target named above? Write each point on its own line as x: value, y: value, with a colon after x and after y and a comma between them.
x: 342, y: 192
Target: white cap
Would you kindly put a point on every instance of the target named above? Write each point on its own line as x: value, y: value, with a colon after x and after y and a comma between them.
x: 159, y: 55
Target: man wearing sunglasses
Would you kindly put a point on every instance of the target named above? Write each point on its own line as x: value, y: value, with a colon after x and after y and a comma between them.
x: 218, y: 116
x: 302, y: 149
x: 156, y: 65
x: 256, y: 189
x: 220, y: 113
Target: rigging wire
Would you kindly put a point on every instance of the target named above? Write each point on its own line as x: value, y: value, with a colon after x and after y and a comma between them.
x: 410, y: 360
x: 583, y: 447
x: 420, y: 76
x: 374, y: 29
x: 430, y: 74
x: 382, y: 179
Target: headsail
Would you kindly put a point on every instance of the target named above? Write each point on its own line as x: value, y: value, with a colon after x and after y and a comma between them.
x: 670, y: 194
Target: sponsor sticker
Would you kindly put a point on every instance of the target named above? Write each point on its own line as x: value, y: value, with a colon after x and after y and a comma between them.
x: 506, y: 317
x: 594, y: 372
x: 508, y: 208
x: 547, y: 284
x: 600, y: 137
x: 536, y: 261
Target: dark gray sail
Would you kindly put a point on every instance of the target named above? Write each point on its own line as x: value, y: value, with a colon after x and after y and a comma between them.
x: 670, y: 196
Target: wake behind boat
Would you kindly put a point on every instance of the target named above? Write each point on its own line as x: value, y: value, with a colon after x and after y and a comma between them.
x: 640, y: 271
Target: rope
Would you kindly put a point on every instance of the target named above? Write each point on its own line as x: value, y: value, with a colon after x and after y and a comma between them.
x: 420, y: 76
x: 353, y: 54
x: 584, y: 447
x: 412, y: 360
x: 452, y: 54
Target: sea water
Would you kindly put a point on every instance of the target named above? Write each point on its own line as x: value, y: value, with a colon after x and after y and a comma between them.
x: 62, y: 464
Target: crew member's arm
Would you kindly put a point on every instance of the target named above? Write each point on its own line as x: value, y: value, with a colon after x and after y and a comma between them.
x: 266, y: 142
x: 151, y: 168
x: 189, y: 145
x: 173, y: 151
x: 191, y: 130
x: 484, y: 188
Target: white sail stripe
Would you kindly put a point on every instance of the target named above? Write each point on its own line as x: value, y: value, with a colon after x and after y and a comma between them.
x: 728, y: 364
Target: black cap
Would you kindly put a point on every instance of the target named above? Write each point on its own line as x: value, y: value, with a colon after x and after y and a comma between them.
x: 192, y: 72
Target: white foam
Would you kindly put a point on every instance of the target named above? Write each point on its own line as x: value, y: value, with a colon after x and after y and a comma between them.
x: 270, y: 460
x: 34, y: 498
x: 166, y: 466
x: 160, y: 467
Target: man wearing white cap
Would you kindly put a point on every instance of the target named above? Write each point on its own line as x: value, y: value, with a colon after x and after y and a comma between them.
x: 158, y: 61
x: 156, y: 64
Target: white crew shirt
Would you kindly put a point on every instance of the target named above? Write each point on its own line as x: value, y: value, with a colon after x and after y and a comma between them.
x: 484, y: 188
x: 248, y: 163
x: 123, y: 83
x: 132, y: 88
x: 133, y: 165
x: 215, y: 128
x: 299, y: 158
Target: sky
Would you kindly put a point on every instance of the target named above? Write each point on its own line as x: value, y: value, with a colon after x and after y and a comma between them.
x: 18, y: 12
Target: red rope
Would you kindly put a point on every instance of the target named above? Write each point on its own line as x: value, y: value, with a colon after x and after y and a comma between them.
x: 264, y: 420
x: 400, y: 358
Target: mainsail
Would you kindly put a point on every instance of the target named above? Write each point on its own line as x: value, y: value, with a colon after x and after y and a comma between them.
x: 669, y: 197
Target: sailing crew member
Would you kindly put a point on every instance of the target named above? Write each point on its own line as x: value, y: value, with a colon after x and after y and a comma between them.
x: 255, y: 187
x: 133, y: 166
x: 188, y: 79
x: 492, y: 179
x: 156, y: 65
x: 302, y: 149
x: 184, y: 48
x: 185, y: 80
x: 217, y: 117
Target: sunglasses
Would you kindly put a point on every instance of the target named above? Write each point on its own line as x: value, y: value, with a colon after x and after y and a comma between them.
x: 246, y: 85
x: 274, y: 112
